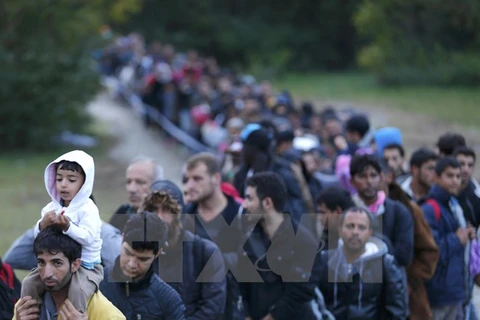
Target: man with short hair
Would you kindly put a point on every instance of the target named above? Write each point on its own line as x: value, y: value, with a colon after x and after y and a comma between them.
x: 258, y: 157
x: 357, y: 133
x: 447, y: 290
x: 139, y: 176
x: 284, y: 287
x: 58, y: 258
x: 391, y: 218
x: 425, y: 256
x: 394, y: 154
x: 448, y: 142
x: 212, y: 215
x: 469, y: 195
x: 131, y: 284
x: 422, y: 167
x: 192, y: 265
x: 331, y: 203
x: 359, y: 279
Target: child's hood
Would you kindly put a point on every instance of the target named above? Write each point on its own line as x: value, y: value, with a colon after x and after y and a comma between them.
x: 88, y: 166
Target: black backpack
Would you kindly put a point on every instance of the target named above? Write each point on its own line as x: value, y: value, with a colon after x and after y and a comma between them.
x: 9, y: 291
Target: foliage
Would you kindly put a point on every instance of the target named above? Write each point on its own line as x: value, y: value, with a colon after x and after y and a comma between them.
x: 301, y: 35
x: 421, y: 41
x: 45, y: 68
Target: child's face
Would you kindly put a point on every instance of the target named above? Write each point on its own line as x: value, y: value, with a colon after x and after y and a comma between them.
x: 450, y: 180
x: 68, y: 184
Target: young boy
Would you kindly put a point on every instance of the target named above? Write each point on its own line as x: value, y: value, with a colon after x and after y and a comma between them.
x: 447, y: 290
x: 69, y: 182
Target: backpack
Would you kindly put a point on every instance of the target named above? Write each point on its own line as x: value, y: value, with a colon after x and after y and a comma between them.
x: 8, y: 296
x: 436, y: 208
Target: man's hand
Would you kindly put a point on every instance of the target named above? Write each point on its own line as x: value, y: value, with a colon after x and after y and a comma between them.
x: 48, y: 219
x: 472, y: 233
x: 463, y: 235
x: 268, y: 317
x: 63, y: 222
x: 27, y: 309
x: 68, y: 312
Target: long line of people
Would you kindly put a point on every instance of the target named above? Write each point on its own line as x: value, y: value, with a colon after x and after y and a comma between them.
x: 300, y: 215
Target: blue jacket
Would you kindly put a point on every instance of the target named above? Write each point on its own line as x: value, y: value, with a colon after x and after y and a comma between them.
x: 447, y: 284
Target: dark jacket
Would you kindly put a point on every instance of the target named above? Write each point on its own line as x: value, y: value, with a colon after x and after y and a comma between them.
x: 121, y: 216
x: 469, y: 200
x: 147, y: 299
x: 295, y: 204
x: 284, y: 273
x: 226, y: 234
x: 372, y: 287
x: 447, y: 285
x: 203, y: 290
x: 425, y: 256
x: 395, y: 222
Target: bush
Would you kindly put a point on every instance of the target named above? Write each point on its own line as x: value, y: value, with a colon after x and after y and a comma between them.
x: 306, y: 34
x: 46, y: 72
x: 421, y: 42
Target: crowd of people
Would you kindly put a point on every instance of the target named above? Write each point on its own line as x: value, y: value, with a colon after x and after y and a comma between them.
x: 298, y: 214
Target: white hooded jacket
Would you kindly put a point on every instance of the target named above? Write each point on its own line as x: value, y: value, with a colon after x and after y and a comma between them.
x: 85, y: 222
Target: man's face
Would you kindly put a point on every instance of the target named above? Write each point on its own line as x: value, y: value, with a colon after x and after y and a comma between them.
x: 467, y: 166
x: 252, y: 203
x: 450, y: 180
x: 139, y: 178
x: 199, y: 183
x: 426, y: 175
x: 68, y: 183
x: 310, y: 162
x: 367, y: 183
x: 394, y: 159
x: 333, y: 127
x: 352, y: 137
x: 355, y: 231
x: 55, y: 270
x: 328, y: 218
x: 135, y: 264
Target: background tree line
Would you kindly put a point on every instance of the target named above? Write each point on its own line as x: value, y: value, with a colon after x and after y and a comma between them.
x: 48, y: 75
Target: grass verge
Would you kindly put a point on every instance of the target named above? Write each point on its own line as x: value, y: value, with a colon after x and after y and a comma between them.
x: 453, y: 104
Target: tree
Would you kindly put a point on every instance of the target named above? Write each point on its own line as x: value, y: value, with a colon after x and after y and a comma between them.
x: 46, y: 72
x: 420, y: 42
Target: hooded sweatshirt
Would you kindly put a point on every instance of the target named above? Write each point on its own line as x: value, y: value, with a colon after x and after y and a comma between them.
x: 85, y: 222
x: 370, y: 287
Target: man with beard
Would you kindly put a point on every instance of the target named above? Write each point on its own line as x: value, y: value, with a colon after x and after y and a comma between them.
x: 131, y: 284
x: 215, y: 216
x: 58, y: 258
x: 469, y: 195
x: 192, y: 265
x: 284, y: 286
x: 359, y: 279
x: 422, y: 167
x: 391, y: 218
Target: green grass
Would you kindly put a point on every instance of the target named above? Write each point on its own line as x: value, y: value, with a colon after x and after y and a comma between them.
x: 458, y: 105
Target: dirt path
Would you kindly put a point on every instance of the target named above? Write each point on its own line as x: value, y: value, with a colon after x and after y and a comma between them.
x: 133, y: 138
